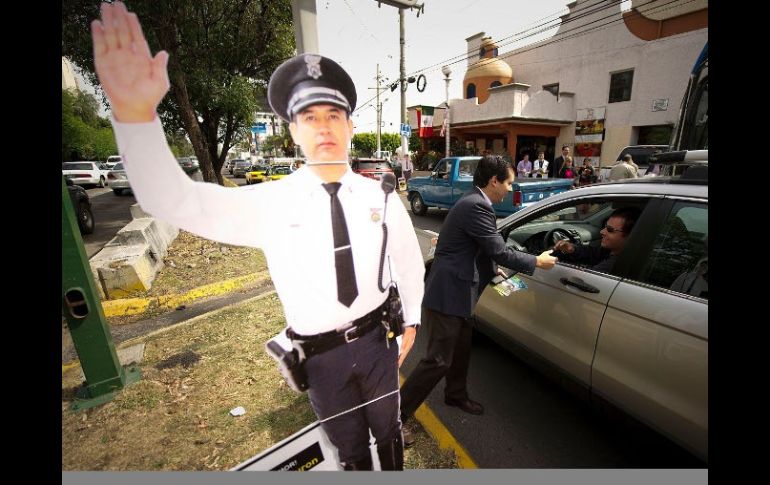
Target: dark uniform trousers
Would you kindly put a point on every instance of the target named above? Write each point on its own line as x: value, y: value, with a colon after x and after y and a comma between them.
x: 347, y: 376
x: 448, y: 354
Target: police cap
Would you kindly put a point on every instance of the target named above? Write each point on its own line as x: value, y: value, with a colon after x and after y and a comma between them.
x: 306, y: 80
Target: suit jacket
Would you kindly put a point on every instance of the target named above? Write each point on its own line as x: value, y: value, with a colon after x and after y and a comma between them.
x: 468, y: 252
x: 555, y: 168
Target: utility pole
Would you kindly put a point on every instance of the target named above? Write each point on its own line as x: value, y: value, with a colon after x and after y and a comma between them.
x: 379, y: 111
x: 402, y: 77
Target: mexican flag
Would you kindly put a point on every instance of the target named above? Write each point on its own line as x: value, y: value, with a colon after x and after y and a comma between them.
x: 425, y: 121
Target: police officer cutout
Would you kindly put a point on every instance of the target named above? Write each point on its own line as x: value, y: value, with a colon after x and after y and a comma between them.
x: 322, y: 237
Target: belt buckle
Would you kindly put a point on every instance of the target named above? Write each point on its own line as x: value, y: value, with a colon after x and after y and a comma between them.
x: 348, y: 339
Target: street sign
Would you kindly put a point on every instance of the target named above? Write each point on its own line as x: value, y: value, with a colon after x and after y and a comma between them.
x: 406, y: 130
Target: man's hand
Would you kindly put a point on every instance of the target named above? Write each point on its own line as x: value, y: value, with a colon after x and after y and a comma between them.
x: 407, y: 340
x: 564, y: 246
x: 132, y: 79
x: 545, y: 260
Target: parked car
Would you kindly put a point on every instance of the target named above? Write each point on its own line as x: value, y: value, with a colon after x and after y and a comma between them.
x: 85, y: 173
x: 118, y: 179
x: 240, y: 168
x: 230, y: 166
x: 634, y: 338
x: 187, y: 164
x: 82, y: 205
x: 452, y: 177
x: 372, y: 168
x: 112, y: 160
x: 277, y: 172
x: 256, y: 174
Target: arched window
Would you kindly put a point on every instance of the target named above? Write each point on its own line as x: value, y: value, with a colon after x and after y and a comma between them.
x: 482, y: 51
x: 494, y: 52
x: 470, y: 91
x: 495, y: 84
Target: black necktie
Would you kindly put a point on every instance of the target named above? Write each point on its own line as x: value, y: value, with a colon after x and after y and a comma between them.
x: 347, y: 291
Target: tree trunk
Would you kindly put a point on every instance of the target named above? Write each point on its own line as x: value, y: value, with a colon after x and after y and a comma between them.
x: 167, y: 38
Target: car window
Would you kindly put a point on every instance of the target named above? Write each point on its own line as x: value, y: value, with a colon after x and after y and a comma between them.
x: 118, y: 166
x: 578, y: 221
x: 467, y: 168
x: 443, y: 168
x: 679, y: 257
x: 373, y: 165
x: 77, y: 166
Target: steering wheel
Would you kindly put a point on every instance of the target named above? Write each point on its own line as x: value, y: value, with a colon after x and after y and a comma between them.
x: 511, y: 242
x: 556, y: 234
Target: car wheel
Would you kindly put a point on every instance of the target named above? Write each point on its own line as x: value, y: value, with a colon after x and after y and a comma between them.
x: 117, y: 191
x: 101, y: 182
x: 418, y: 205
x: 85, y: 219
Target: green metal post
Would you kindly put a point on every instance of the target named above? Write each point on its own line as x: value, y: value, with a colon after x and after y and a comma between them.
x: 82, y: 309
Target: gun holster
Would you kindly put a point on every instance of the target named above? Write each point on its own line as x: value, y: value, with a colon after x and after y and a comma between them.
x: 395, y: 312
x: 291, y: 364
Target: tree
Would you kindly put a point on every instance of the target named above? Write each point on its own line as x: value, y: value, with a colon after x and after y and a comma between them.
x: 365, y: 143
x: 222, y: 53
x: 85, y: 136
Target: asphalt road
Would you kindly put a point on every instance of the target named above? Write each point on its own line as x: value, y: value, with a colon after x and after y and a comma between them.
x: 111, y: 213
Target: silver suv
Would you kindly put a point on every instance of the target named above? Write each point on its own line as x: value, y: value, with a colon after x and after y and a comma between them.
x: 635, y: 335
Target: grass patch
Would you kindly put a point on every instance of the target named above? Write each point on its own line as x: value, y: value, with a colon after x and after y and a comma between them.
x: 177, y: 416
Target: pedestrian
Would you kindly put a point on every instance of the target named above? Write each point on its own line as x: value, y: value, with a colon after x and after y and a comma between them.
x: 586, y: 173
x: 324, y: 221
x: 467, y: 254
x: 567, y: 171
x: 540, y: 166
x: 407, y: 167
x: 559, y: 162
x: 524, y: 167
x: 625, y: 168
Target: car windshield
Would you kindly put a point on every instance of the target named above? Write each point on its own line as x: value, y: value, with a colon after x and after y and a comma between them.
x: 372, y: 165
x: 77, y: 166
x: 282, y: 170
x: 118, y: 166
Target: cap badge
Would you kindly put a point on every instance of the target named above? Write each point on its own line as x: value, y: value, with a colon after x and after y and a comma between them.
x: 313, y: 66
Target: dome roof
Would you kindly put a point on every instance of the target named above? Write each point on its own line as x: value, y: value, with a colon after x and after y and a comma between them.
x: 489, y: 67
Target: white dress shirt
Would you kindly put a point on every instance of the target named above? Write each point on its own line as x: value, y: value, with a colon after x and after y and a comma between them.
x: 290, y: 220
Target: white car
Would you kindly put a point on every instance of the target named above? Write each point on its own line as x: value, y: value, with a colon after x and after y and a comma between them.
x: 86, y: 173
x: 118, y: 179
x: 112, y: 160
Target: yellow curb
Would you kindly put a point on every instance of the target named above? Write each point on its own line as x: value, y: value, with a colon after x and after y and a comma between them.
x: 228, y: 182
x: 132, y: 306
x: 441, y: 434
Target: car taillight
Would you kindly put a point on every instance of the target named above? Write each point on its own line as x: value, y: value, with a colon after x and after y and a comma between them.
x: 517, y: 198
x: 82, y: 175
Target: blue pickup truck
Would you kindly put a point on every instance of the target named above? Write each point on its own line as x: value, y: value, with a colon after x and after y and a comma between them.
x: 453, y: 176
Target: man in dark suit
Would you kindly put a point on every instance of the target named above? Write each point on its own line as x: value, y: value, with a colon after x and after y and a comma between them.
x: 468, y: 252
x: 555, y: 168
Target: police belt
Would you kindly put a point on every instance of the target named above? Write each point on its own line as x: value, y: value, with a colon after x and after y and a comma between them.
x: 323, y: 342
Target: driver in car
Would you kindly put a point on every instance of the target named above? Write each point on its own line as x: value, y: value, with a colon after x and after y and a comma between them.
x: 614, y: 236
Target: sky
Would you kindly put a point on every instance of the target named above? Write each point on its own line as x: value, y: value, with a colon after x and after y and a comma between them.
x: 358, y: 35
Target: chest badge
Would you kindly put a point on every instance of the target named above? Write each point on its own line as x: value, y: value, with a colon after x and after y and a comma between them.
x: 376, y: 214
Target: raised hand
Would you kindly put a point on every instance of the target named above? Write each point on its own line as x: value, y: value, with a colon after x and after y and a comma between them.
x: 133, y: 80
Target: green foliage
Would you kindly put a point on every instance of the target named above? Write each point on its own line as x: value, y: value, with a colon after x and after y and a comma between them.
x: 222, y: 55
x: 414, y: 142
x: 365, y: 144
x: 85, y: 136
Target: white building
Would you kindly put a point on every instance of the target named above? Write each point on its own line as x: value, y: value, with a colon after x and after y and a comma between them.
x: 622, y: 73
x: 68, y: 75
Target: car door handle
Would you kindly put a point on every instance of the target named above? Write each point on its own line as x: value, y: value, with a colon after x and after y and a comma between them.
x: 579, y: 284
